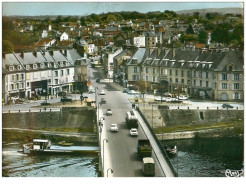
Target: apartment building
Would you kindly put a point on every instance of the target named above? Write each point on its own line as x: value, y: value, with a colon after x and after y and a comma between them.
x: 38, y: 73
x: 198, y: 73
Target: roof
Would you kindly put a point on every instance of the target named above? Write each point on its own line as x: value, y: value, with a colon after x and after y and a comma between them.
x: 43, y: 42
x: 138, y: 55
x: 64, y: 43
x: 148, y: 160
x: 29, y: 58
x: 72, y: 56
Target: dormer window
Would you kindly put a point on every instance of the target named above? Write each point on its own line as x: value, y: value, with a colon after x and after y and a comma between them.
x: 34, y: 66
x: 41, y: 65
x: 230, y: 68
x: 61, y: 63
x: 11, y: 68
x: 27, y: 67
x: 19, y: 67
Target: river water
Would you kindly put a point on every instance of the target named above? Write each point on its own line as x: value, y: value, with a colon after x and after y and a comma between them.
x: 15, y: 164
x: 207, y: 157
x: 202, y: 157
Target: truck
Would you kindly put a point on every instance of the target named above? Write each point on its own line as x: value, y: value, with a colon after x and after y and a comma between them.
x: 148, y: 166
x: 131, y: 120
x: 144, y: 148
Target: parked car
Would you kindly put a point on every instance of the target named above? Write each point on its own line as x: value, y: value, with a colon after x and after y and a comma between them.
x: 66, y: 99
x: 109, y: 112
x: 133, y: 92
x: 91, y: 90
x: 125, y: 90
x: 227, y: 106
x: 114, y: 127
x: 45, y: 103
x: 182, y: 97
x: 103, y: 101
x: 102, y: 92
x: 134, y: 132
x: 98, y: 80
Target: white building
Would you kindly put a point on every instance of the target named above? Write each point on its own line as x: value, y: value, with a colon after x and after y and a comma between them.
x: 64, y: 37
x: 139, y: 41
x: 111, y: 62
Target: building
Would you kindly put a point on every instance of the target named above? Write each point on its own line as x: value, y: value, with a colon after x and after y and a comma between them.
x: 35, y: 73
x: 217, y: 75
x: 44, y: 44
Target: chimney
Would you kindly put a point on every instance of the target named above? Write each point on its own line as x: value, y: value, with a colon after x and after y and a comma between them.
x: 22, y: 55
x: 35, y: 53
x: 4, y: 55
x: 52, y: 53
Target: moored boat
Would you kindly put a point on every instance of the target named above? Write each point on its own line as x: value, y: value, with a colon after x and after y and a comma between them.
x: 171, y: 149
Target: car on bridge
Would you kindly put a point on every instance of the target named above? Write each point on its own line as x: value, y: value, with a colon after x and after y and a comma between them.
x: 109, y: 112
x: 134, y: 132
x: 114, y: 128
x: 103, y: 101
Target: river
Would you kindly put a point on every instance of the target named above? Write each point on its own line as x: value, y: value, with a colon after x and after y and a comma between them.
x: 15, y: 164
x: 207, y: 157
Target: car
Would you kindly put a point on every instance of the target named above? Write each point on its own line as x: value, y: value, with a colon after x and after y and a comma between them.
x: 66, y: 99
x: 98, y: 80
x: 134, y: 132
x: 183, y: 97
x: 91, y: 90
x: 114, y: 127
x: 103, y: 101
x: 45, y: 103
x: 227, y: 106
x: 109, y: 112
x: 133, y: 92
x: 125, y: 90
x: 102, y: 92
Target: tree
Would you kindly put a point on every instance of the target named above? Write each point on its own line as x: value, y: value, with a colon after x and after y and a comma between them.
x: 7, y: 46
x: 203, y: 36
x: 82, y: 21
x: 189, y: 30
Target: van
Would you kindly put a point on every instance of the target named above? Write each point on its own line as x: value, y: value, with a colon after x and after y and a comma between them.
x: 148, y: 166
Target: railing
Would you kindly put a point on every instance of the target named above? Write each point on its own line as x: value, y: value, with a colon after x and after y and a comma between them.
x: 158, y: 143
x: 33, y: 110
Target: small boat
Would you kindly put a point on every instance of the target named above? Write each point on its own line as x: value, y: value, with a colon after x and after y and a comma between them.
x: 64, y: 143
x: 171, y: 149
x: 36, y: 145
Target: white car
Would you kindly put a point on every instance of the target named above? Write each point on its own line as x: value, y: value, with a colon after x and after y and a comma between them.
x: 114, y: 127
x: 102, y: 92
x: 134, y: 132
x: 91, y: 90
x: 109, y: 112
x: 183, y: 97
x: 133, y: 92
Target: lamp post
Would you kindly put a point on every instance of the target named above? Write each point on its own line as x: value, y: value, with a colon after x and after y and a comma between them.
x: 103, y: 153
x: 108, y: 170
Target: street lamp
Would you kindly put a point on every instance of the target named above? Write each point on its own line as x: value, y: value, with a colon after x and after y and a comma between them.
x: 103, y: 153
x: 108, y: 170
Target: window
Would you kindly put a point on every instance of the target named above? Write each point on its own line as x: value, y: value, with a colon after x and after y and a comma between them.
x: 22, y: 76
x: 66, y: 79
x: 230, y: 68
x: 207, y: 84
x: 12, y: 86
x: 56, y: 73
x: 135, y: 69
x: 68, y: 72
x: 49, y: 81
x: 176, y: 80
x: 34, y: 66
x: 11, y: 68
x: 61, y: 73
x: 182, y: 81
x: 176, y: 72
x: 153, y: 70
x: 17, y: 85
x: 19, y: 67
x: 200, y: 74
x: 224, y: 85
x: 161, y: 70
x: 170, y: 72
x: 171, y: 80
x: 189, y: 74
x: 236, y: 85
x: 224, y: 77
x: 146, y: 70
x: 56, y: 81
x: 17, y: 77
x: 147, y: 78
x: 27, y: 67
x: 195, y: 74
x: 22, y: 85
x: 13, y: 78
x: 194, y: 82
x: 182, y: 73
x: 27, y: 84
x: 206, y: 75
x: 236, y: 96
x: 153, y: 78
x: 200, y: 83
x: 236, y: 77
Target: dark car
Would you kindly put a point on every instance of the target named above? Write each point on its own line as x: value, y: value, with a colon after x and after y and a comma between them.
x: 227, y: 106
x: 98, y: 80
x: 45, y: 103
x: 66, y: 99
x: 103, y: 101
x: 125, y: 90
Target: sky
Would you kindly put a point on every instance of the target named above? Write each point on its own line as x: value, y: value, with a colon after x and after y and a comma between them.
x: 31, y: 8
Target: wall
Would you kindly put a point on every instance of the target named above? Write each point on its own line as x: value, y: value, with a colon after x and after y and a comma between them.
x: 77, y: 118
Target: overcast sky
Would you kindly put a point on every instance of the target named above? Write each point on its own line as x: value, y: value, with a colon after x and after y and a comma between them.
x: 86, y: 8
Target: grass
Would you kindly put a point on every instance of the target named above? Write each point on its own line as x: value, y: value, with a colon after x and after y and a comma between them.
x: 237, y: 125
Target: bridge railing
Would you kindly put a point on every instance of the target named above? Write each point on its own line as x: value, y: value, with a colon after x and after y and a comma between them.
x: 158, y: 143
x: 33, y: 110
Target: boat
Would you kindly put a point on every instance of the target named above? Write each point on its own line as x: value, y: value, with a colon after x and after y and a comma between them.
x: 171, y: 149
x: 64, y: 143
x: 43, y: 146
